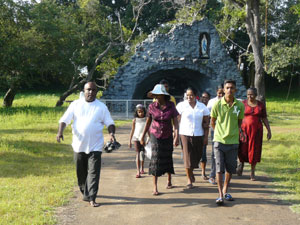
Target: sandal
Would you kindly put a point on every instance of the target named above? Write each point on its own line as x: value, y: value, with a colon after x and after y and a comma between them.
x: 228, y: 197
x: 204, y: 177
x: 137, y: 176
x: 189, y: 186
x: 169, y: 186
x: 94, y: 204
x: 212, y: 181
x: 219, y: 201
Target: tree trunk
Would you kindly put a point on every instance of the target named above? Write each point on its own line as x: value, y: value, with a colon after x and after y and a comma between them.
x: 9, y: 97
x: 251, y: 75
x: 70, y: 91
x: 89, y: 77
x: 254, y: 32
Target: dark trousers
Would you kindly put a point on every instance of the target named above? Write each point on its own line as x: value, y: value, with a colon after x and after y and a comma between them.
x: 88, y: 168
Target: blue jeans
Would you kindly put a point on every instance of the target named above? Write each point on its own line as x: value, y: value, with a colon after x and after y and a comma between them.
x: 213, y: 161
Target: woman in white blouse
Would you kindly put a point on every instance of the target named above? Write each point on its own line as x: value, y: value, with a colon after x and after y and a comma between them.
x: 193, y: 130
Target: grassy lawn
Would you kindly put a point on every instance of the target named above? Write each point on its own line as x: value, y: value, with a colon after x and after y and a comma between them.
x: 36, y: 173
x: 281, y: 157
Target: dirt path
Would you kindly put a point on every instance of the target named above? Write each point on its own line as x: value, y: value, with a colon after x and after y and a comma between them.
x: 127, y: 200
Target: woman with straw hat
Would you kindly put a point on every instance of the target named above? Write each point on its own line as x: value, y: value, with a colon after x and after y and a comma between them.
x: 160, y: 116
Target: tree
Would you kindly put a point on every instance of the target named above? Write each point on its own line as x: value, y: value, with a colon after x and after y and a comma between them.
x: 253, y: 27
x: 111, y: 29
x: 40, y: 44
x: 13, y: 23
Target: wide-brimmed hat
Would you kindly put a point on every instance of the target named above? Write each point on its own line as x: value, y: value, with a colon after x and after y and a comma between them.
x: 159, y: 89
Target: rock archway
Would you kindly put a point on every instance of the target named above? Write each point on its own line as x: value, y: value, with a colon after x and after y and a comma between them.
x: 179, y: 80
x: 189, y: 55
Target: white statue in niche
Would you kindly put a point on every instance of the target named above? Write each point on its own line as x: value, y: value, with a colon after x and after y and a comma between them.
x: 204, y: 46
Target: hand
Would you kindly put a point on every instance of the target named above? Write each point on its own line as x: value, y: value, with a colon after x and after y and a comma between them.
x: 269, y: 135
x: 112, y: 137
x: 129, y: 144
x: 59, y: 136
x: 142, y: 142
x: 176, y: 141
x: 205, y: 142
x: 243, y: 136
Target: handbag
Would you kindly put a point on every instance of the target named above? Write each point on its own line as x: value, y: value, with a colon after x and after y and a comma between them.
x: 148, y: 150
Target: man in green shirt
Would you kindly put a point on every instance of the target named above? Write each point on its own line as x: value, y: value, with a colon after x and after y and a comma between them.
x: 226, y: 119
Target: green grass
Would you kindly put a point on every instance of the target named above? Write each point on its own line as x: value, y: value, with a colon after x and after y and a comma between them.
x: 36, y: 173
x: 281, y: 158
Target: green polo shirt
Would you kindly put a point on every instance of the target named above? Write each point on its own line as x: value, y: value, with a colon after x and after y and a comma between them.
x: 227, y: 128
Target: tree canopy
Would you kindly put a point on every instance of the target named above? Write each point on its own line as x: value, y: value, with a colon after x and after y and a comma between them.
x: 52, y: 42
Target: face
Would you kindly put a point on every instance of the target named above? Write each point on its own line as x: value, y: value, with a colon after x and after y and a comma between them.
x: 220, y: 93
x: 90, y: 92
x: 190, y: 96
x: 140, y: 113
x: 159, y: 97
x: 251, y: 95
x: 229, y: 89
x: 205, y: 98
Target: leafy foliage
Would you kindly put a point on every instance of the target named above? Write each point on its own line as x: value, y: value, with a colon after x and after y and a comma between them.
x: 279, y: 66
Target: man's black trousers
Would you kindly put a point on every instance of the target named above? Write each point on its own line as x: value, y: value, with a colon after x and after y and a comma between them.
x: 88, y: 168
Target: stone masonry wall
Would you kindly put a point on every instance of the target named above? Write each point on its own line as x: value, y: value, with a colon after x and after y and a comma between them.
x: 175, y: 50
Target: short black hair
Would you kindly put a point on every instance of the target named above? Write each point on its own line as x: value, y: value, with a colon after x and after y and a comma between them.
x: 192, y: 89
x: 164, y: 81
x: 230, y: 82
x: 220, y: 86
x: 205, y: 92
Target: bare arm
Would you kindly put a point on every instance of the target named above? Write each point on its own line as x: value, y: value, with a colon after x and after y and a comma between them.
x: 266, y: 123
x: 213, y: 122
x: 131, y: 132
x: 147, y: 126
x: 205, y: 125
x: 176, y: 136
x: 111, y: 130
x: 60, y: 132
x: 179, y: 118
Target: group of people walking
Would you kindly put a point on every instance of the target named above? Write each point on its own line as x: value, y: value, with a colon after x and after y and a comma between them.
x: 165, y: 124
x: 236, y: 131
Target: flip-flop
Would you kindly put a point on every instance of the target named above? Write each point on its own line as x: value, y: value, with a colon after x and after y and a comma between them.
x: 190, y: 186
x: 204, y: 177
x: 155, y: 193
x: 94, y: 204
x: 219, y: 201
x: 212, y: 181
x: 137, y: 176
x: 142, y: 172
x: 228, y: 197
x: 169, y: 186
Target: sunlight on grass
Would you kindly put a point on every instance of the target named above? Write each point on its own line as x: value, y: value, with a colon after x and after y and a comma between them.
x: 36, y: 173
x: 281, y: 158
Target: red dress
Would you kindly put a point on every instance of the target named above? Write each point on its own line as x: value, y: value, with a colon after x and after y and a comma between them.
x: 250, y: 149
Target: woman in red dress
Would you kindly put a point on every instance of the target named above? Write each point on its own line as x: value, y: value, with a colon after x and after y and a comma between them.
x: 252, y: 130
